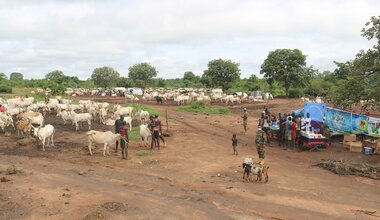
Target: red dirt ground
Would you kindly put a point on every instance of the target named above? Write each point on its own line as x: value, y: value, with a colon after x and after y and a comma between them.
x: 194, y: 177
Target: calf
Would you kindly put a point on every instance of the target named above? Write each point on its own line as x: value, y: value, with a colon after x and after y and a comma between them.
x: 98, y: 137
x: 23, y: 126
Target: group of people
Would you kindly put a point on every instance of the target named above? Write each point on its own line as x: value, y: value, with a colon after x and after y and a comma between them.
x: 289, y: 129
x: 289, y: 125
x: 122, y: 129
x: 156, y: 130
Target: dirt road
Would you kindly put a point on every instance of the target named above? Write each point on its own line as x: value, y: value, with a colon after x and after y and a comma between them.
x: 194, y: 177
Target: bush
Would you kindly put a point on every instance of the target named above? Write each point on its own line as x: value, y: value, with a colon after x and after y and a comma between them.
x: 5, y: 89
x: 296, y: 93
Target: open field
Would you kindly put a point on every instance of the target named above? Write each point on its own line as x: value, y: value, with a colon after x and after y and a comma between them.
x: 194, y: 177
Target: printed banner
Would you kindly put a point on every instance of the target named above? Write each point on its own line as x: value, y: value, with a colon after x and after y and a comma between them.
x: 373, y: 126
x: 360, y: 123
x: 338, y: 120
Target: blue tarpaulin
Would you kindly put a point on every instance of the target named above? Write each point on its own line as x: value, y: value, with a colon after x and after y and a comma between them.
x: 298, y: 112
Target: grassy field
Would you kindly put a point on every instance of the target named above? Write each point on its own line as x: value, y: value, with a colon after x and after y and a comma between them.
x: 201, y: 107
x: 137, y: 107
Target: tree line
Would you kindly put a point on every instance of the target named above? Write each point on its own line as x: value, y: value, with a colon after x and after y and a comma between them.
x: 285, y: 73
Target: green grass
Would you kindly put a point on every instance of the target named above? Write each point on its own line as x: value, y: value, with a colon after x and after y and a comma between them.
x: 138, y: 107
x: 201, y: 107
x: 142, y: 153
x: 134, y: 135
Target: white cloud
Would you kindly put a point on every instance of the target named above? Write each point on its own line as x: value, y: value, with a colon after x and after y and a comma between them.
x: 175, y: 36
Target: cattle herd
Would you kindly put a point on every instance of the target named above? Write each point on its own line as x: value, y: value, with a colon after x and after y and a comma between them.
x: 181, y: 96
x: 28, y: 116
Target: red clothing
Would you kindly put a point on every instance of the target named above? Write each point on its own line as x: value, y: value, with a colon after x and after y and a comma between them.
x: 1, y: 109
x: 123, y: 131
x: 294, y: 130
x: 367, y: 113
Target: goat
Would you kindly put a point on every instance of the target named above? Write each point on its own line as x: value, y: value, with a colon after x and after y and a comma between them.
x: 256, y: 169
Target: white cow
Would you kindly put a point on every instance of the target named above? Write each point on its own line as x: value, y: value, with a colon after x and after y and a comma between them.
x: 102, y: 114
x: 65, y: 116
x: 99, y: 137
x: 46, y: 132
x: 268, y: 96
x: 145, y: 134
x: 143, y: 115
x: 123, y: 111
x: 75, y: 118
x: 128, y: 120
x: 35, y: 117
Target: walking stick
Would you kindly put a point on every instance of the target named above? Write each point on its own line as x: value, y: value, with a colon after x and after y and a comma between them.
x: 167, y: 122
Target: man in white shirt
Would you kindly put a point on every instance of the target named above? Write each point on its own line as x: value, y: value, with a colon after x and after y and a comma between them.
x: 308, y: 123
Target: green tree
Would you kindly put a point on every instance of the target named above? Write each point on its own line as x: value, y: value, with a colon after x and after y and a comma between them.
x: 253, y: 83
x: 3, y: 77
x: 16, y: 76
x: 362, y: 80
x: 57, y: 76
x: 124, y: 82
x: 288, y: 67
x: 343, y: 70
x: 142, y: 74
x: 221, y: 73
x: 105, y: 77
x: 190, y: 79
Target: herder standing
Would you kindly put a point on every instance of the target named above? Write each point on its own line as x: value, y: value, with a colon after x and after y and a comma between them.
x: 245, y: 120
x: 261, y: 140
x: 118, y: 124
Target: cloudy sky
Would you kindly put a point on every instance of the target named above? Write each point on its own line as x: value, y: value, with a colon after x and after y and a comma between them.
x: 175, y: 36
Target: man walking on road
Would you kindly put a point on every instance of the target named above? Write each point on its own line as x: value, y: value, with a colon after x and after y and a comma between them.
x: 245, y: 120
